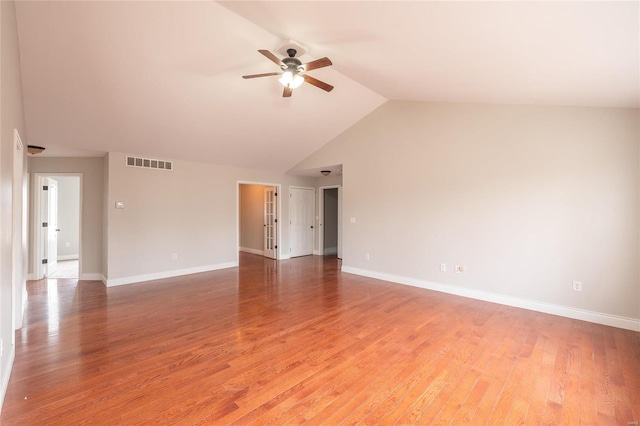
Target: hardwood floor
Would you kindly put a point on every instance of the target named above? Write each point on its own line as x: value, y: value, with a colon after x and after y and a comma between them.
x: 298, y: 341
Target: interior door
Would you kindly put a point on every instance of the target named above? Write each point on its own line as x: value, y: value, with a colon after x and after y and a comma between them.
x: 301, y: 214
x: 270, y: 223
x: 52, y: 226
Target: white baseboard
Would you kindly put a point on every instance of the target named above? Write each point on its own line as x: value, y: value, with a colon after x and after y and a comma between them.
x: 68, y: 257
x: 548, y: 308
x: 91, y: 276
x: 327, y: 251
x: 252, y: 251
x: 285, y: 257
x: 168, y: 274
x: 6, y: 373
x: 32, y: 277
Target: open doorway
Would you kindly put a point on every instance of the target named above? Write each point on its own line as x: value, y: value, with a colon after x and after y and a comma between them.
x: 258, y: 211
x: 57, y: 226
x: 330, y: 210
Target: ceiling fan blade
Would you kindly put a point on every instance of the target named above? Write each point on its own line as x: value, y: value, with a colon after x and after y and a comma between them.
x: 267, y: 74
x: 318, y: 63
x: 320, y: 84
x: 271, y: 57
x: 287, y: 92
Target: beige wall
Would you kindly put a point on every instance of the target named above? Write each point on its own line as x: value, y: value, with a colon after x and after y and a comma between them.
x: 191, y: 211
x: 528, y: 199
x: 11, y: 117
x: 252, y: 217
x: 91, y: 169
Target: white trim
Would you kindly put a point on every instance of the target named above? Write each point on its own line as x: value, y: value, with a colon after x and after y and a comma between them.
x: 321, y: 189
x: 252, y: 251
x: 18, y: 223
x: 32, y: 277
x: 548, y: 308
x: 36, y: 229
x: 331, y: 250
x: 6, y: 369
x: 317, y: 253
x: 167, y: 274
x: 285, y: 257
x: 96, y: 276
x: 18, y: 140
x: 68, y: 257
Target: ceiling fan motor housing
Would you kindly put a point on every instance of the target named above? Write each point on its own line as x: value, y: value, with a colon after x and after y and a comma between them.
x: 292, y: 64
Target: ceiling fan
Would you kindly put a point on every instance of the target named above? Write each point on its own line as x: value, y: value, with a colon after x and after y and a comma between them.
x: 294, y: 72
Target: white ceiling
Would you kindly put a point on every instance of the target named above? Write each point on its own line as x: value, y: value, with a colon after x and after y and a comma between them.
x: 163, y: 79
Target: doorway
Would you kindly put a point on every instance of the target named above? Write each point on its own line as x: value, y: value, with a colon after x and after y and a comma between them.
x: 258, y: 212
x: 330, y: 215
x: 57, y: 226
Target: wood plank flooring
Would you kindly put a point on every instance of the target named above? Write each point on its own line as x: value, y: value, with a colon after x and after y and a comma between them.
x: 298, y: 341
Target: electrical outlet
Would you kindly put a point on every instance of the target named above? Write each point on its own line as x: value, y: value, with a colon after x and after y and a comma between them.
x: 366, y: 256
x: 459, y: 269
x: 443, y: 267
x: 174, y: 256
x: 577, y: 286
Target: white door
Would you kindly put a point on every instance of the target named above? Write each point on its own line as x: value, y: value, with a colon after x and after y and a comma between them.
x: 301, y: 213
x: 52, y: 226
x: 270, y: 223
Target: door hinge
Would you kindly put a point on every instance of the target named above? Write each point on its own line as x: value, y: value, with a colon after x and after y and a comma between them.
x: 275, y: 221
x: 275, y: 194
x: 45, y: 188
x: 45, y: 225
x: 275, y: 246
x: 45, y: 261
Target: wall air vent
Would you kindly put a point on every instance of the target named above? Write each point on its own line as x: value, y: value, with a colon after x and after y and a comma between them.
x: 149, y: 163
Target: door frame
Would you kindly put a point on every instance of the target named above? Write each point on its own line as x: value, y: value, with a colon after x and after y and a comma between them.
x: 321, y: 190
x: 36, y: 230
x: 19, y: 244
x: 278, y: 214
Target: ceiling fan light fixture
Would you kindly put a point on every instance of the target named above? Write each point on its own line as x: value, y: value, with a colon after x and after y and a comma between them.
x: 291, y: 80
x: 325, y: 172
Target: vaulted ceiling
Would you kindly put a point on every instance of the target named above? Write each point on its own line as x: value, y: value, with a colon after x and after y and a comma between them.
x: 163, y: 79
